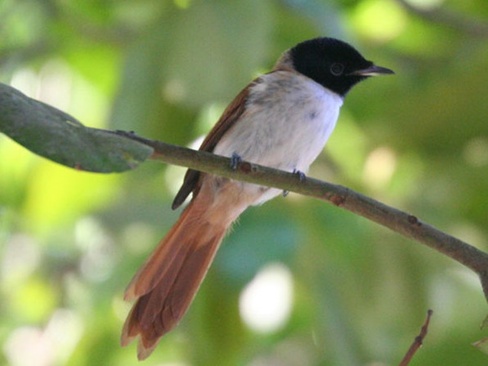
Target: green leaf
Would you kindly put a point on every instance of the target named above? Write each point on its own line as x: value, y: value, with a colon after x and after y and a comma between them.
x: 482, y: 345
x: 484, y: 324
x: 59, y: 137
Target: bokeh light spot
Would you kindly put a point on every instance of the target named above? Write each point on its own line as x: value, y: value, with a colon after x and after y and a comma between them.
x: 265, y: 303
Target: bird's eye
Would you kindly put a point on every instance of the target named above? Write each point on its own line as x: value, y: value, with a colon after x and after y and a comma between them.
x: 336, y: 69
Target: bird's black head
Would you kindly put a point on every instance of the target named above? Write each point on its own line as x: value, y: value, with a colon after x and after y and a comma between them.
x: 332, y: 63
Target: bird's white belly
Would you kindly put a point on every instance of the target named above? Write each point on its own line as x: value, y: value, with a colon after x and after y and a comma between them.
x: 286, y: 124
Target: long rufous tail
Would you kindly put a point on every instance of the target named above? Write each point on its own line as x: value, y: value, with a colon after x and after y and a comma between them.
x: 165, y: 286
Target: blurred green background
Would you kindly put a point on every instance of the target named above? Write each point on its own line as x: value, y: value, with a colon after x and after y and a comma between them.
x: 297, y: 282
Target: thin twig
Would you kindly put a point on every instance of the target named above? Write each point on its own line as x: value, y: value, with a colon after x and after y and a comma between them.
x: 401, y: 222
x: 418, y: 341
x: 473, y: 27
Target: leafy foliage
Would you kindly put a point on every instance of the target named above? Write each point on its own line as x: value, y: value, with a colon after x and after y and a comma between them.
x: 70, y: 241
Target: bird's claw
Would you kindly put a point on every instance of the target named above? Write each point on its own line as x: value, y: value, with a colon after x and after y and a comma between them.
x: 301, y: 177
x: 235, y: 160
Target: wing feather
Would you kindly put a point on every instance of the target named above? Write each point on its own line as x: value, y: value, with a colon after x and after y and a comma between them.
x: 231, y: 114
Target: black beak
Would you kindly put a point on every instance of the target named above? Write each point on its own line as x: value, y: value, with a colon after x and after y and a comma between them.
x: 373, y: 70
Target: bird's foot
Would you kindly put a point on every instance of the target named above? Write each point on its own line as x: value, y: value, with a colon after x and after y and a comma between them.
x: 235, y: 160
x: 301, y: 177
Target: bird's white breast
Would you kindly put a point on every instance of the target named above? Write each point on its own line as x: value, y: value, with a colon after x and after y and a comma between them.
x: 287, y: 121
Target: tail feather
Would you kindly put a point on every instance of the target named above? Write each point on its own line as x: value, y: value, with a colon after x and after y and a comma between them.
x: 159, y: 262
x: 167, y: 283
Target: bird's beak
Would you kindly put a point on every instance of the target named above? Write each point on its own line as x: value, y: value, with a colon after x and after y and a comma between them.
x: 373, y: 70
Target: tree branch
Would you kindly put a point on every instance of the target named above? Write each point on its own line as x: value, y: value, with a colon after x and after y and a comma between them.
x: 403, y: 223
x: 417, y: 342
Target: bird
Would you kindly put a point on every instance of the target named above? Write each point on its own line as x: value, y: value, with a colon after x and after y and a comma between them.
x: 282, y: 119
